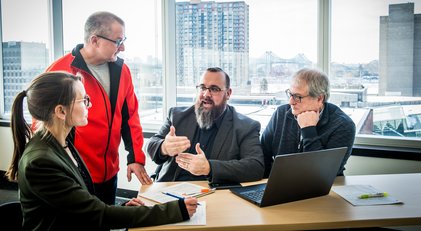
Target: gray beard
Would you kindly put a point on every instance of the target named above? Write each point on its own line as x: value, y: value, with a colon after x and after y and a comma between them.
x: 205, y: 119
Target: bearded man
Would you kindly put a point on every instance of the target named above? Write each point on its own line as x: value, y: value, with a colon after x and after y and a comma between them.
x: 209, y: 140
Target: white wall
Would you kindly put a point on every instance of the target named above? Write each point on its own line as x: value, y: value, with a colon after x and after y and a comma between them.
x: 361, y: 165
x: 6, y: 147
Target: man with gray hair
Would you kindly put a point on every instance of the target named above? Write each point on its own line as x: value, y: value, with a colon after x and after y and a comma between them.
x: 308, y: 122
x: 209, y: 140
x: 114, y: 113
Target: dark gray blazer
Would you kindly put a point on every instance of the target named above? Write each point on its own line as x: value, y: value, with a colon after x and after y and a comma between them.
x: 54, y: 196
x: 236, y: 154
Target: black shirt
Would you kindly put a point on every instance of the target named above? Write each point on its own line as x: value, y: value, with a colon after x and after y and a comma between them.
x: 206, y: 138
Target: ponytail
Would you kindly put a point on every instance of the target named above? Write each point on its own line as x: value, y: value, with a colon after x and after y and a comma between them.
x: 21, y: 132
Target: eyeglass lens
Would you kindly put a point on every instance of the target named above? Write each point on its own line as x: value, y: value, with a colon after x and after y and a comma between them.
x: 87, y: 100
x: 212, y: 89
x: 295, y: 97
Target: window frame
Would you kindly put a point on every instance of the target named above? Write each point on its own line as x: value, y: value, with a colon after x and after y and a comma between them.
x: 1, y: 67
x: 169, y: 65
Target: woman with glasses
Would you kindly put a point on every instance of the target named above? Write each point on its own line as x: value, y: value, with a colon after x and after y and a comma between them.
x: 308, y: 122
x: 56, y: 190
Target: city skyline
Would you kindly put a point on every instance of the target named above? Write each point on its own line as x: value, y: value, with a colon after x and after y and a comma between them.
x: 289, y: 38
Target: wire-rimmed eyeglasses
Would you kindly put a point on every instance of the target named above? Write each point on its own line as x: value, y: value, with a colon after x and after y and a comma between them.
x: 86, y: 100
x: 117, y: 42
x: 295, y: 97
x: 212, y: 89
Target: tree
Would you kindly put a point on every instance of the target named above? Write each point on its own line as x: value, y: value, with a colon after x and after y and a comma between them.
x: 263, y: 85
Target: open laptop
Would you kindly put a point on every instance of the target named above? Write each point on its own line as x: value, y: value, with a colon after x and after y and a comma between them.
x: 295, y: 177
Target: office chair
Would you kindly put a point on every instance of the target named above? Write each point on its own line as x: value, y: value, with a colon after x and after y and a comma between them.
x: 154, y: 176
x: 11, y: 216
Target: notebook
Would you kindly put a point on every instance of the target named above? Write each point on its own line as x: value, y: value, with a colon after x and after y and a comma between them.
x: 295, y: 177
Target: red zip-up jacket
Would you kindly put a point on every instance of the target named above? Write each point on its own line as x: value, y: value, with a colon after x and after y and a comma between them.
x: 110, y: 118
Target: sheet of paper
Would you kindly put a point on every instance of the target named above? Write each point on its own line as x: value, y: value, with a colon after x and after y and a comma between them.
x: 199, y: 218
x: 351, y: 194
x: 184, y: 189
x: 158, y: 197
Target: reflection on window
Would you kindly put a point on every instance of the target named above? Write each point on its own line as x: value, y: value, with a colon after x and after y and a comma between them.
x: 258, y: 43
x: 25, y: 45
x: 375, y: 64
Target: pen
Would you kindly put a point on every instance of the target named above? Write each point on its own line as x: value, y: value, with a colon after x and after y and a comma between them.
x: 175, y: 196
x: 203, y: 191
x: 372, y: 195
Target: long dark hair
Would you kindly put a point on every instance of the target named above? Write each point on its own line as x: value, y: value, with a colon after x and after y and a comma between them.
x: 44, y: 93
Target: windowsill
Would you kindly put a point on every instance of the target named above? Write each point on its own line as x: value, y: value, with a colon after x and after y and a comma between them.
x: 404, y: 153
x: 387, y: 152
x: 4, y: 123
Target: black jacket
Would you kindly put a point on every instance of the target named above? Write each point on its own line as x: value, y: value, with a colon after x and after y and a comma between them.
x: 54, y: 196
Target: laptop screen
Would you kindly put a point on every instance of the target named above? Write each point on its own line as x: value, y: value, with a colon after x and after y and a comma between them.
x: 300, y: 176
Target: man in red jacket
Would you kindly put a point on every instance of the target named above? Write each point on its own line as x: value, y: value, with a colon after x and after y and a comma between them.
x: 114, y: 113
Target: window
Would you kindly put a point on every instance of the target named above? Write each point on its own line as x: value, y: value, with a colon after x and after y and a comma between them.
x: 26, y: 46
x: 143, y: 49
x: 374, y: 77
x: 375, y: 65
x: 258, y: 43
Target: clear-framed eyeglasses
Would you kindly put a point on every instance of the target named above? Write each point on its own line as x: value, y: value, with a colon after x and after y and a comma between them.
x: 86, y: 100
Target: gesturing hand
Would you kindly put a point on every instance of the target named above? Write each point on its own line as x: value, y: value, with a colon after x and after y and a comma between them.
x: 173, y: 144
x: 196, y: 164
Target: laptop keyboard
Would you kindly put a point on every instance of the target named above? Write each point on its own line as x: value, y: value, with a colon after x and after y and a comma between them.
x: 256, y: 195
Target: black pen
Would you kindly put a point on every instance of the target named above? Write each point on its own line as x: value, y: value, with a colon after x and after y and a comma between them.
x: 175, y: 196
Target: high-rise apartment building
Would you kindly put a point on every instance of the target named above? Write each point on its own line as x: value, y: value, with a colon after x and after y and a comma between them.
x: 212, y: 34
x: 22, y: 61
x: 400, y: 51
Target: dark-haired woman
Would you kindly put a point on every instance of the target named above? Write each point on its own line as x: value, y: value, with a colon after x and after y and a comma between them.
x: 55, y: 187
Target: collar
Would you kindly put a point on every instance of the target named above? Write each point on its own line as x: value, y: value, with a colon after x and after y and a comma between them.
x: 80, y: 63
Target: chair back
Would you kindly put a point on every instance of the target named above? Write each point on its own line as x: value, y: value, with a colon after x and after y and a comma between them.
x: 11, y: 216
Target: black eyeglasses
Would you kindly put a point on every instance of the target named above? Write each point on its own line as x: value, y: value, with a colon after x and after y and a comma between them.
x: 117, y: 42
x: 86, y: 100
x: 295, y: 97
x: 212, y: 89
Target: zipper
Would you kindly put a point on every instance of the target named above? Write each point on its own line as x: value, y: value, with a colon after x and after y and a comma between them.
x: 109, y: 122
